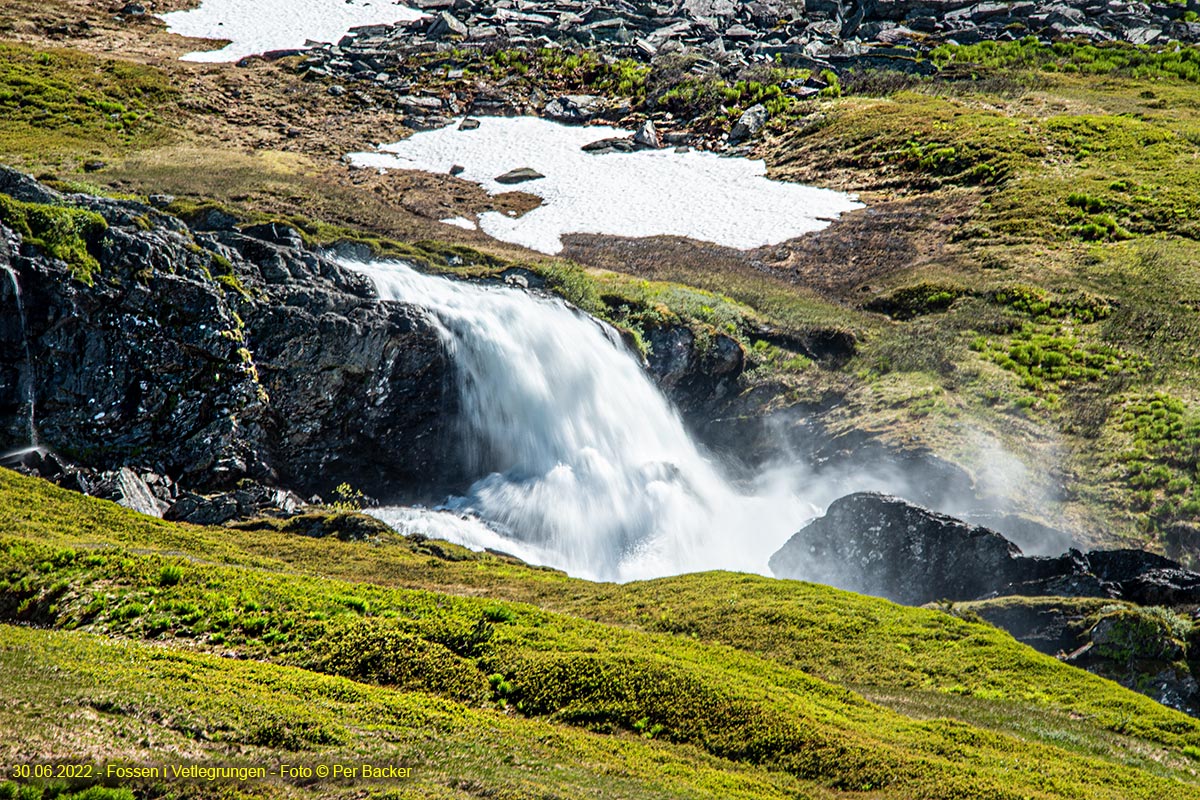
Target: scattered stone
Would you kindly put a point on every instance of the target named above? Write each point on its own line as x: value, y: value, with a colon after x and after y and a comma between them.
x: 574, y: 108
x: 468, y: 124
x: 161, y: 200
x: 750, y: 123
x: 646, y: 135
x: 617, y: 144
x: 446, y: 25
x: 457, y: 169
x: 519, y: 175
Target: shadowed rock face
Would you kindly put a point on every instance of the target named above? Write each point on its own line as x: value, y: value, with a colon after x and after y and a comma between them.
x: 881, y: 545
x: 287, y: 371
x: 884, y: 546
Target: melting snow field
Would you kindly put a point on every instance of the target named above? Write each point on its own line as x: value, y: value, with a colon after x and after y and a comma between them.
x: 700, y: 195
x: 263, y: 25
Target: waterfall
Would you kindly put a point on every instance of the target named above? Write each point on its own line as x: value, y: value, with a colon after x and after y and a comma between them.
x: 582, y: 460
x: 30, y: 399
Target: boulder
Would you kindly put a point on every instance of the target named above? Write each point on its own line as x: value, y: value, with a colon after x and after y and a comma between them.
x: 573, y: 108
x: 445, y: 25
x: 132, y: 491
x: 519, y: 175
x: 614, y: 144
x: 646, y: 135
x: 882, y: 545
x: 750, y: 123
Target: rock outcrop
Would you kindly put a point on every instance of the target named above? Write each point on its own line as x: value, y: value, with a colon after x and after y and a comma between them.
x: 212, y: 356
x: 881, y: 545
x: 1154, y: 650
x: 731, y: 34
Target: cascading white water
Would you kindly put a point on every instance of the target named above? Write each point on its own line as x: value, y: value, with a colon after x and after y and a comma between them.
x: 30, y: 398
x: 588, y: 464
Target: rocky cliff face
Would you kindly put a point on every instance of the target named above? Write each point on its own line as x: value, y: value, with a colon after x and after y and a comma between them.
x: 211, y: 356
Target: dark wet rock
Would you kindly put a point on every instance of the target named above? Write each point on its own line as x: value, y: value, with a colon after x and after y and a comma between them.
x: 212, y: 356
x: 880, y: 545
x: 694, y: 374
x: 1149, y: 650
x: 1142, y: 650
x: 885, y: 546
x: 1050, y: 628
x: 519, y: 175
x: 829, y: 346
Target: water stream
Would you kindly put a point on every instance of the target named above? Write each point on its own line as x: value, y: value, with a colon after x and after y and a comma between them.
x: 28, y: 377
x: 584, y: 464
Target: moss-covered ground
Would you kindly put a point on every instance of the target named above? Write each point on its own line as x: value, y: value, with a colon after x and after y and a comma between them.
x: 180, y: 643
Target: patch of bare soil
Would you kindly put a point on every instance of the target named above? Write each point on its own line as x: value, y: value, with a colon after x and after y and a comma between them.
x: 847, y: 261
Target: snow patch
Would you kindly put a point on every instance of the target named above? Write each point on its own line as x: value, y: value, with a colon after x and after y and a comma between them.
x: 461, y: 222
x: 263, y: 25
x: 700, y: 195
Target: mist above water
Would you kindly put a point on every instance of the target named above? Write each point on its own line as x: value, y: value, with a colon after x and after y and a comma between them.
x: 583, y: 463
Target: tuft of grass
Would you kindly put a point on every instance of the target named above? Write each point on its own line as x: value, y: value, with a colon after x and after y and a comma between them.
x: 70, y: 234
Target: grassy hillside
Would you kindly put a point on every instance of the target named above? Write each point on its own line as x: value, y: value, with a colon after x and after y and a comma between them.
x: 150, y: 625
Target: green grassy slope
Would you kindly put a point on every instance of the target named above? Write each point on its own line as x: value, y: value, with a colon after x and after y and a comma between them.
x: 1058, y: 312
x: 737, y: 685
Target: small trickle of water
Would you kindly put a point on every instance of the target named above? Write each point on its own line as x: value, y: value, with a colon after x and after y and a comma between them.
x: 586, y: 465
x: 28, y: 377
